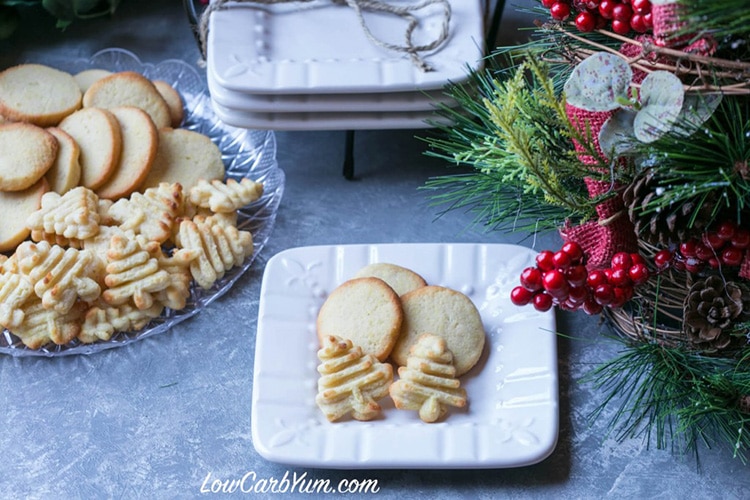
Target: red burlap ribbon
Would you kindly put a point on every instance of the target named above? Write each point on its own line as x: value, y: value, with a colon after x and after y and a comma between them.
x: 613, y: 231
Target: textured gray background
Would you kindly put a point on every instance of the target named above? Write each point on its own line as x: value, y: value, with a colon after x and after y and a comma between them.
x: 154, y: 419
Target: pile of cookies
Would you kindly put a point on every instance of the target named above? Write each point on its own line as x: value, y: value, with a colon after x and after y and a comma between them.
x: 389, y: 314
x: 111, y: 211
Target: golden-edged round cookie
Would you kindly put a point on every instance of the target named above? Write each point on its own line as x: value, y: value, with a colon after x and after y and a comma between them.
x: 128, y: 88
x: 66, y: 170
x: 97, y: 133
x: 38, y: 94
x: 26, y: 153
x: 401, y: 279
x: 16, y: 207
x: 446, y: 313
x: 87, y: 77
x: 365, y: 311
x: 184, y: 156
x: 140, y: 140
x: 173, y: 100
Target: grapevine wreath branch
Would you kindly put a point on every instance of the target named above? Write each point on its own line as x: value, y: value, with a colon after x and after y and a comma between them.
x: 624, y: 125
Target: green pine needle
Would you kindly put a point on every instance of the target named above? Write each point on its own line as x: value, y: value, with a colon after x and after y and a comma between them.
x: 675, y: 397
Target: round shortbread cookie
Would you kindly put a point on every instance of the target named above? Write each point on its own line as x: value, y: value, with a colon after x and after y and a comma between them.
x: 38, y: 94
x: 128, y: 88
x: 87, y: 77
x: 184, y: 156
x: 66, y: 171
x: 401, y: 279
x: 446, y: 313
x: 173, y: 100
x: 139, y: 143
x: 365, y: 311
x: 97, y: 133
x: 26, y: 153
x: 16, y: 207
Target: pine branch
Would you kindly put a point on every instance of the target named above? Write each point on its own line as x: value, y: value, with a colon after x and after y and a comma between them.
x: 720, y: 18
x: 709, y: 165
x: 675, y: 397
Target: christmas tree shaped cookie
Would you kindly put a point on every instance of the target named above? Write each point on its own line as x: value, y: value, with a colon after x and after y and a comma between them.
x: 351, y: 382
x: 428, y: 382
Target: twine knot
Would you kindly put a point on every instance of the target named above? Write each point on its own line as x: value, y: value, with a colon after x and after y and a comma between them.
x: 405, y: 12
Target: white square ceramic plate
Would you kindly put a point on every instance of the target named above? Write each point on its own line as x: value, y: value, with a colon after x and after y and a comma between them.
x: 344, y: 120
x: 320, y: 47
x: 512, y: 416
x: 316, y: 103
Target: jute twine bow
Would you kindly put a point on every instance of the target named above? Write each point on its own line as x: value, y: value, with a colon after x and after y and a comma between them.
x: 360, y: 6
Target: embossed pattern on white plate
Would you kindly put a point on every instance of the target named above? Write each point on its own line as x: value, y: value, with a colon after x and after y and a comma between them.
x: 321, y: 47
x: 511, y: 419
x: 246, y: 153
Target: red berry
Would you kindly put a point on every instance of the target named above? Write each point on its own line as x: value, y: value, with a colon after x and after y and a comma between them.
x: 576, y: 275
x: 641, y: 6
x: 732, y: 256
x: 548, y: 3
x: 619, y: 277
x: 596, y: 278
x: 703, y: 252
x: 638, y: 274
x: 574, y: 250
x: 622, y: 294
x: 621, y: 260
x: 542, y: 302
x: 621, y: 27
x: 622, y: 12
x: 606, y: 7
x: 531, y: 279
x: 713, y: 240
x: 648, y: 20
x: 741, y: 238
x: 687, y: 249
x: 591, y: 307
x: 726, y: 230
x: 638, y: 24
x: 662, y: 258
x: 561, y: 260
x: 604, y: 294
x: 520, y: 296
x: 693, y: 265
x: 544, y: 260
x: 560, y: 11
x: 555, y: 284
x: 578, y: 294
x: 636, y: 258
x: 585, y: 22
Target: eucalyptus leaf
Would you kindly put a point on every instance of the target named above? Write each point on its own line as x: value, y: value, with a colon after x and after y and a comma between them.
x: 662, y: 97
x: 617, y: 134
x: 599, y: 82
x: 696, y: 109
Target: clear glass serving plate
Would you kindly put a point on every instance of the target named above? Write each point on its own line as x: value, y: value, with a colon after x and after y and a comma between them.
x: 246, y: 153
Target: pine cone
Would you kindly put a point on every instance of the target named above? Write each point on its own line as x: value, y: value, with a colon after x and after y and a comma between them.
x: 711, y: 307
x: 662, y: 227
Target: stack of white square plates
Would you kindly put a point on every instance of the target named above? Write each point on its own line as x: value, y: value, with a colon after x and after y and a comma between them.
x: 311, y: 65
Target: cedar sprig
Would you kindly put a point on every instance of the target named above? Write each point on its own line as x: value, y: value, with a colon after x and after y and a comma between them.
x: 512, y: 128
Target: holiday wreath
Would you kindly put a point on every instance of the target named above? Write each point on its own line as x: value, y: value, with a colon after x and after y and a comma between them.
x: 625, y: 126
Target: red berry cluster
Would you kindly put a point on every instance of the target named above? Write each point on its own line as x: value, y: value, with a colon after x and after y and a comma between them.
x: 588, y: 15
x: 561, y: 278
x: 724, y: 246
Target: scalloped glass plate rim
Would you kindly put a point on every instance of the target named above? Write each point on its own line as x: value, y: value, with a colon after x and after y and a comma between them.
x: 250, y: 153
